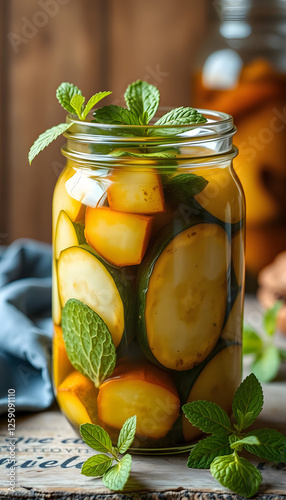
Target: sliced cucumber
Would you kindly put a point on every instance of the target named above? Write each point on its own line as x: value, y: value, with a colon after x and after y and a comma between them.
x: 85, y: 276
x: 68, y: 234
x: 183, y: 293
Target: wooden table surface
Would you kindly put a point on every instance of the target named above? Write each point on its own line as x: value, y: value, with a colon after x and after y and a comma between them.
x: 49, y: 456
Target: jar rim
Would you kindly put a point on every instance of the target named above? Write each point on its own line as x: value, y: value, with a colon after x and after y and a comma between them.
x: 214, y: 118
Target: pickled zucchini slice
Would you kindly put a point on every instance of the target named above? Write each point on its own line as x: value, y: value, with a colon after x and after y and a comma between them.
x: 84, y: 276
x: 183, y: 297
x: 217, y: 383
x: 67, y: 234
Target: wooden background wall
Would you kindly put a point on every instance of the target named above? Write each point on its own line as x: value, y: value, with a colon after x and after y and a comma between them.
x: 97, y: 44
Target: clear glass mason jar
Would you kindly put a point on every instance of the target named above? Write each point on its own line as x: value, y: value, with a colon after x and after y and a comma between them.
x: 242, y: 71
x: 148, y: 232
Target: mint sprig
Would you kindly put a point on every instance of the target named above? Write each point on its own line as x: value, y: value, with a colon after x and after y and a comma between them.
x: 115, y: 476
x: 142, y: 100
x: 220, y: 452
x: 267, y: 357
x: 88, y: 342
x: 71, y: 99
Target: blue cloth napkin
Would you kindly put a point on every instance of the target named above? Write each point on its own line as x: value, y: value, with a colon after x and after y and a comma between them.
x: 25, y: 324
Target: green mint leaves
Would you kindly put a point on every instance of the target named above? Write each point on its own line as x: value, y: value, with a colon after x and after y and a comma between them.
x: 266, y: 356
x: 219, y: 452
x: 208, y: 417
x: 115, y: 476
x: 142, y: 100
x: 237, y: 474
x: 71, y: 99
x: 65, y: 92
x: 88, y: 341
x: 46, y: 138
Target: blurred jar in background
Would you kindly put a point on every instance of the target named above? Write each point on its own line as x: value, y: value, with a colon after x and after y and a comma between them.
x: 243, y: 72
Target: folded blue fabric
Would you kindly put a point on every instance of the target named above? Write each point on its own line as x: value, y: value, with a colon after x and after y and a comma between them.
x: 25, y: 324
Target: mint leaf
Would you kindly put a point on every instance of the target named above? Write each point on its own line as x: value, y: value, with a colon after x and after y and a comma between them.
x: 237, y: 474
x: 96, y: 437
x: 270, y: 318
x: 248, y: 440
x: 248, y: 398
x: 272, y: 445
x: 266, y: 365
x: 142, y: 99
x: 252, y: 342
x: 127, y: 434
x: 183, y: 187
x: 208, y: 417
x: 46, y: 138
x: 206, y: 450
x: 88, y: 342
x: 245, y: 420
x: 96, y: 465
x: 65, y: 93
x: 77, y: 102
x: 178, y: 116
x: 93, y: 101
x: 116, y: 477
x: 115, y: 115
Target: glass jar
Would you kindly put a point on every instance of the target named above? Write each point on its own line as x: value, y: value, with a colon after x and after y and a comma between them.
x: 243, y: 72
x: 148, y: 232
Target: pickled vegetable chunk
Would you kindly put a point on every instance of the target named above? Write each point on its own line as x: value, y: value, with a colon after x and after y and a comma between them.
x: 67, y: 234
x: 216, y: 383
x: 143, y: 390
x: 61, y: 363
x: 119, y: 237
x: 186, y: 297
x: 136, y: 192
x: 77, y: 398
x: 84, y: 277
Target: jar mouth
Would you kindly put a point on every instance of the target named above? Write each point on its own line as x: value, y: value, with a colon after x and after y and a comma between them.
x: 217, y: 122
x: 98, y: 142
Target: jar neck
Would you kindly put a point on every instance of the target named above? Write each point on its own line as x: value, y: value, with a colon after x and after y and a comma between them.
x: 160, y: 146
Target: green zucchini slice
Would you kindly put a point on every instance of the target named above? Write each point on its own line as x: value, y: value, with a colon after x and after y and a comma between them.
x: 183, y: 296
x: 68, y: 234
x: 85, y: 276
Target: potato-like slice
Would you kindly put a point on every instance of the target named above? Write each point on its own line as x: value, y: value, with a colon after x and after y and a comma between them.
x: 186, y: 296
x: 119, y: 237
x: 61, y: 363
x: 216, y: 383
x: 77, y: 397
x: 136, y: 192
x: 143, y: 390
